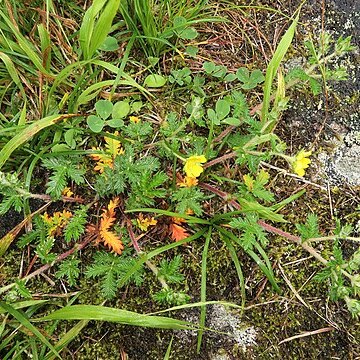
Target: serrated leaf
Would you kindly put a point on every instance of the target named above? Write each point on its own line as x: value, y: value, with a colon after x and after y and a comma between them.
x: 155, y: 81
x: 249, y: 182
x: 310, y: 229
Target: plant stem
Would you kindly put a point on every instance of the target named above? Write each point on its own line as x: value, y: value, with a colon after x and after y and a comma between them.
x: 48, y: 266
x: 269, y: 228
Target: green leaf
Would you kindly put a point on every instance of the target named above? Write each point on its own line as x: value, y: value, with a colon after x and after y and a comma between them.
x: 110, y: 44
x: 27, y: 133
x: 102, y: 313
x: 230, y: 77
x: 104, y: 108
x: 242, y: 74
x: 115, y: 123
x: 27, y: 324
x: 222, y: 108
x: 170, y: 270
x: 191, y: 50
x: 274, y: 65
x: 188, y: 34
x: 95, y: 123
x: 257, y: 77
x: 231, y: 121
x: 136, y: 106
x: 310, y: 229
x: 263, y: 211
x: 121, y: 109
x: 212, y: 116
x: 155, y: 81
x: 69, y: 268
x: 209, y: 67
x: 69, y: 138
x: 219, y: 71
x: 179, y: 21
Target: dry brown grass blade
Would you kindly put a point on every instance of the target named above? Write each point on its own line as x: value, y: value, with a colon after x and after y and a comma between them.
x: 307, y: 333
x: 7, y: 239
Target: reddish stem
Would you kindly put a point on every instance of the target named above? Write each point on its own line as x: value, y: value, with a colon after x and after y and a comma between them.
x: 269, y: 228
x: 60, y: 257
x: 220, y: 159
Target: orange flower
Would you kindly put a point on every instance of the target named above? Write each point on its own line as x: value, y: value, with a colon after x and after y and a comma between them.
x: 188, y: 182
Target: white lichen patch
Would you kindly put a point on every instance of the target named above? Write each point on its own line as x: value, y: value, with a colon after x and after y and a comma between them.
x: 343, y: 165
x: 222, y: 320
x: 225, y: 330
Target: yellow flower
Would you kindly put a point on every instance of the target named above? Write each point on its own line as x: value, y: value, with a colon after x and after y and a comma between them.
x: 301, y: 162
x: 134, y: 119
x: 67, y: 192
x: 57, y: 222
x: 144, y: 223
x: 193, y: 165
x: 106, y: 159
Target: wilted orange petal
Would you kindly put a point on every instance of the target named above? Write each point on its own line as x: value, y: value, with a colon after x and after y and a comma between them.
x: 112, y: 241
x: 178, y: 232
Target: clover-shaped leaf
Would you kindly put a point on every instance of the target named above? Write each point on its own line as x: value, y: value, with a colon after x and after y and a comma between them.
x: 120, y: 109
x: 104, y: 108
x: 95, y: 123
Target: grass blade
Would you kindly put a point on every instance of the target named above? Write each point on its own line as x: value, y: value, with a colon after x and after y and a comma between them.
x: 10, y: 67
x: 274, y: 65
x: 103, y: 313
x: 24, y: 304
x: 168, y: 351
x: 27, y: 133
x: 67, y: 338
x: 93, y: 33
x: 25, y: 45
x: 268, y: 272
x: 203, y: 288
x: 27, y: 324
x: 236, y: 262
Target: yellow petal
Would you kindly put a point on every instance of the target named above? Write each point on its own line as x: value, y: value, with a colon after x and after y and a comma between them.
x: 193, y: 165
